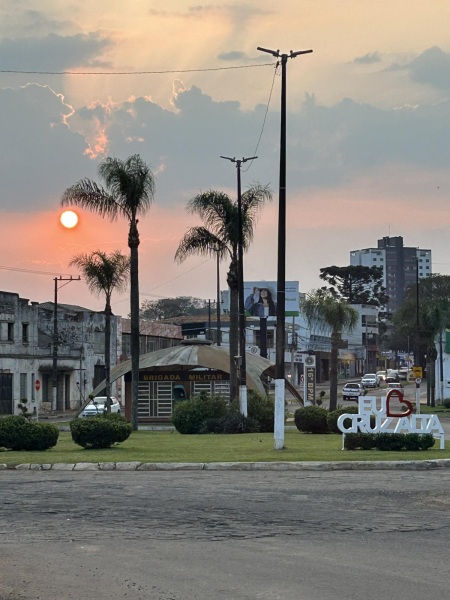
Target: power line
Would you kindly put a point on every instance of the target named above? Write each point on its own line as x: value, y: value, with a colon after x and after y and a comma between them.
x: 17, y: 269
x: 265, y: 117
x: 16, y: 72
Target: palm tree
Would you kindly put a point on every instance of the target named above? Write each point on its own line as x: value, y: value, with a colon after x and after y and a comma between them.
x: 129, y: 191
x: 219, y: 237
x: 103, y: 274
x: 338, y: 315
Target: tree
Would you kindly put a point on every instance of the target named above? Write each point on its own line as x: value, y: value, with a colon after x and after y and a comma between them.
x: 104, y: 273
x: 129, y: 191
x: 423, y: 314
x: 219, y: 237
x: 338, y: 315
x: 356, y: 284
x: 166, y: 308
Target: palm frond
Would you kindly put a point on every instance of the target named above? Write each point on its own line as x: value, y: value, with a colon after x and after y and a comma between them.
x: 130, y: 181
x: 199, y: 240
x: 103, y: 272
x: 88, y: 194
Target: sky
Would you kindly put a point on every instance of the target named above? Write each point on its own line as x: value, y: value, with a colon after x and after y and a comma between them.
x: 181, y: 84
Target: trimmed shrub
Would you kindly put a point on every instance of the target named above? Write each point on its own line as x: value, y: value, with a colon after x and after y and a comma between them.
x: 18, y: 433
x: 233, y: 422
x: 332, y: 417
x: 190, y: 416
x: 359, y: 441
x: 101, y: 431
x: 389, y: 441
x: 311, y: 419
x: 261, y: 409
x: 446, y: 402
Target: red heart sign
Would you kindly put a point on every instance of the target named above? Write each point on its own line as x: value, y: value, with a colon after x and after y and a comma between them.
x: 398, y: 394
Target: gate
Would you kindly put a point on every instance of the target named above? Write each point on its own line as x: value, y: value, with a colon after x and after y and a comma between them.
x: 6, y: 393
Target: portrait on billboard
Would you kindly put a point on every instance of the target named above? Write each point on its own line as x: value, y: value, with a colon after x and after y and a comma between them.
x: 260, y: 302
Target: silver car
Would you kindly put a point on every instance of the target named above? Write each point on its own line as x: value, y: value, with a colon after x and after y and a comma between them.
x: 97, y: 406
x: 370, y: 380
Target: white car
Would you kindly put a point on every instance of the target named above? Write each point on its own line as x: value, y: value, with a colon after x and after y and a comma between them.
x: 352, y: 391
x: 97, y: 406
x: 381, y: 375
x: 370, y: 380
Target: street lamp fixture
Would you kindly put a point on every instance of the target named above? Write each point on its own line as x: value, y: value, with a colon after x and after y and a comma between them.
x: 241, y: 306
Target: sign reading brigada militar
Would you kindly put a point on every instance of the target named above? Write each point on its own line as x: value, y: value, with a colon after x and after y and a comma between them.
x: 185, y: 376
x: 386, y: 420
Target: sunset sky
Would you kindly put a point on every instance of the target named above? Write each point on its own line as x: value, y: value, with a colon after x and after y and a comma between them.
x: 368, y: 130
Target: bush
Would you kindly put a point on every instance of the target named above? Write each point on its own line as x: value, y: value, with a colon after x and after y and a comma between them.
x: 359, y: 441
x: 232, y: 422
x: 261, y: 409
x: 191, y: 416
x: 389, y: 441
x: 446, y: 402
x: 101, y: 431
x: 332, y: 417
x: 18, y: 433
x: 311, y: 419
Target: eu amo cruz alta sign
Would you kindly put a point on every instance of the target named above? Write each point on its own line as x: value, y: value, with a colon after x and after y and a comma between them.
x: 387, y: 420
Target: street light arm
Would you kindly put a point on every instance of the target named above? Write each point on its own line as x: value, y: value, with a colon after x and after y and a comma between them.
x: 275, y: 53
x: 294, y: 54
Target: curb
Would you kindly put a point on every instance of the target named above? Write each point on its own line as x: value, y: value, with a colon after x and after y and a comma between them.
x: 404, y: 465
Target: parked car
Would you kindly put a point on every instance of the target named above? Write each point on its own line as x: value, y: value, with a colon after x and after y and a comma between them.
x: 352, y: 391
x: 97, y: 406
x: 370, y: 380
x: 381, y: 375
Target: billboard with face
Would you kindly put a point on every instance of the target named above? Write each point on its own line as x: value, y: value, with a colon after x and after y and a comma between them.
x: 260, y: 299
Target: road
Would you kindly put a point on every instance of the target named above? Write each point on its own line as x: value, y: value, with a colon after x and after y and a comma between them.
x: 224, y: 535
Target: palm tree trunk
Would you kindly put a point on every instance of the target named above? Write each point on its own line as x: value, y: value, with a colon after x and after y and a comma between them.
x: 108, y: 313
x: 335, y: 339
x: 232, y: 280
x: 133, y: 243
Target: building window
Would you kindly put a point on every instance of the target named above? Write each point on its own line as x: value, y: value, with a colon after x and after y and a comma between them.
x: 10, y: 332
x: 23, y: 385
x: 25, y: 333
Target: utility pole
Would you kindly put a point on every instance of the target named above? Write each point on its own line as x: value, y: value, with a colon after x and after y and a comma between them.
x: 281, y: 270
x: 219, y: 334
x: 55, y: 340
x: 242, y: 359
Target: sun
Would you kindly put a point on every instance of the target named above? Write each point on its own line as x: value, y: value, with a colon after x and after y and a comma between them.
x: 69, y: 219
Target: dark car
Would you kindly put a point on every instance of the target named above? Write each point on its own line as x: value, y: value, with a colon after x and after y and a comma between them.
x: 392, y: 378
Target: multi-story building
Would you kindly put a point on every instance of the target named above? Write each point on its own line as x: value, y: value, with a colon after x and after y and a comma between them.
x: 402, y: 266
x: 28, y: 362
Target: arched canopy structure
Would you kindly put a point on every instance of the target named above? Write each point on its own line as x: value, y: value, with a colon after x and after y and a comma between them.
x: 190, y: 356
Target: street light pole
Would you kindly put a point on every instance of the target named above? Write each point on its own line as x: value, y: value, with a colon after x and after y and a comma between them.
x: 281, y: 267
x: 55, y: 340
x: 242, y: 358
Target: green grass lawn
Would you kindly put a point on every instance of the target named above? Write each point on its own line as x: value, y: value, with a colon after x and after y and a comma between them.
x: 165, y: 446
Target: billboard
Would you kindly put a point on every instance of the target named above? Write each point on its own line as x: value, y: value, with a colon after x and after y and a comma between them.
x: 260, y: 299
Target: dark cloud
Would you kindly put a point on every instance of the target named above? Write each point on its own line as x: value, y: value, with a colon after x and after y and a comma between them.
x: 53, y: 52
x: 327, y: 145
x: 40, y: 154
x: 432, y: 67
x: 368, y: 59
x: 233, y: 55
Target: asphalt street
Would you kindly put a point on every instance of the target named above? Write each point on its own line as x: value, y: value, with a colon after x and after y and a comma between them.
x: 224, y: 535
